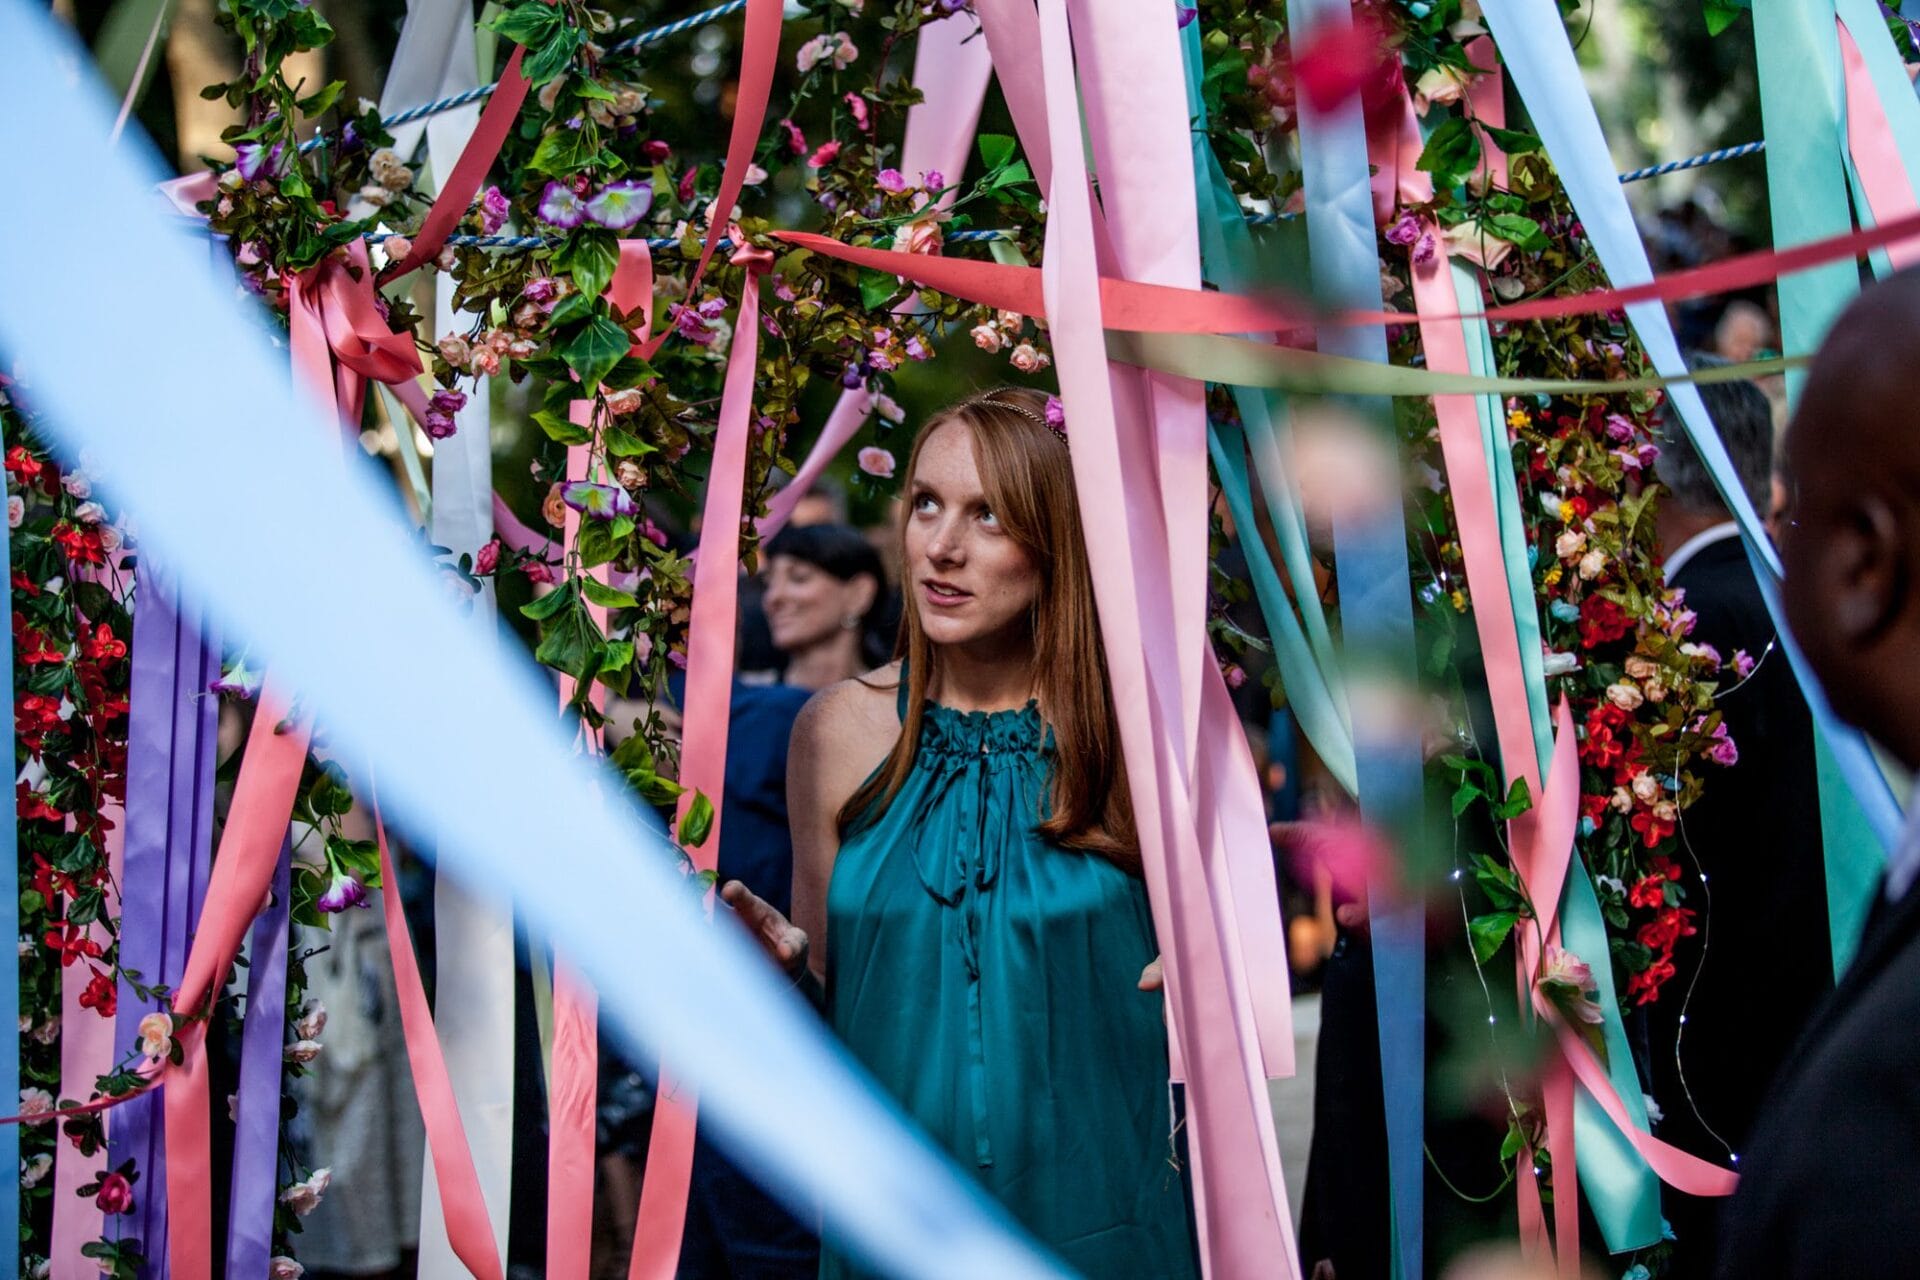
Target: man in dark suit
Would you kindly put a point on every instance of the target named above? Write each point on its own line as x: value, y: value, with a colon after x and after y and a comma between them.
x: 1829, y: 1176
x: 1750, y: 847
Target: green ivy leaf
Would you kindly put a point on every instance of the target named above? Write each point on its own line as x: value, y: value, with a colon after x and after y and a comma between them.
x: 1518, y: 801
x: 996, y: 150
x: 527, y: 24
x: 1523, y: 232
x: 1722, y: 14
x: 560, y: 430
x: 596, y: 543
x: 877, y: 288
x: 1451, y: 152
x: 1515, y: 142
x: 570, y: 308
x: 544, y: 607
x: 553, y: 57
x: 621, y: 443
x: 598, y: 592
x: 698, y: 822
x: 564, y: 151
x: 1489, y: 931
x: 594, y: 351
x: 321, y: 102
x: 590, y: 257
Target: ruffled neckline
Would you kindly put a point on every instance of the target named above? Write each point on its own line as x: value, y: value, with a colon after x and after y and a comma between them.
x: 945, y: 731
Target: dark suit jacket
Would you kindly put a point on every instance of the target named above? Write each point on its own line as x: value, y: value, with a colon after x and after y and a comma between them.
x: 1751, y: 977
x: 1829, y: 1182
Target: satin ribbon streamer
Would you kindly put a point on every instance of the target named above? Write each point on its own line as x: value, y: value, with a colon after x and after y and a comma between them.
x: 1376, y: 612
x: 256, y: 1120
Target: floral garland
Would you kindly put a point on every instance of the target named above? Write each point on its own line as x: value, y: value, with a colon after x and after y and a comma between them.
x: 70, y: 705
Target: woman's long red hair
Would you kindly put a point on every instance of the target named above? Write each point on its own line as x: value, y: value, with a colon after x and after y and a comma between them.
x: 1028, y: 479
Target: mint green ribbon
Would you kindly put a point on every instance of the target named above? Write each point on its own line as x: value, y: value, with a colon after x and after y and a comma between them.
x: 1803, y: 110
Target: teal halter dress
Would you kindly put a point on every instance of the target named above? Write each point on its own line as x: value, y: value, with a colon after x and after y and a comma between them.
x: 987, y: 978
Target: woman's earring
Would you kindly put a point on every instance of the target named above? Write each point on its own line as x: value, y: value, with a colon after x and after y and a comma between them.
x: 850, y: 622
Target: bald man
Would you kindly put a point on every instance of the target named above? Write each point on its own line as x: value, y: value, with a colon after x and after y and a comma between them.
x: 1831, y: 1181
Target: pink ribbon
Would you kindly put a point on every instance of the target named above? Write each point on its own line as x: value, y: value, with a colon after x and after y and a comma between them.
x: 469, y: 1228
x: 1876, y: 155
x: 1246, y: 1228
x: 703, y: 754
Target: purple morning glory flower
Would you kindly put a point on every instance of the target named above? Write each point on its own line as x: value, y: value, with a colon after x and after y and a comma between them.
x: 621, y: 204
x: 236, y: 681
x: 1187, y: 16
x: 936, y: 181
x: 345, y: 890
x: 255, y: 160
x: 689, y: 324
x: 559, y: 207
x: 598, y: 501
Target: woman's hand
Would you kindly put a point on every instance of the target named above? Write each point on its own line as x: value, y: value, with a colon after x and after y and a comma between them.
x: 775, y: 933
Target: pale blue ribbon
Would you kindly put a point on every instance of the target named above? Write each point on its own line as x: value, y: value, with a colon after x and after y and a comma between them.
x: 462, y: 736
x: 1376, y: 613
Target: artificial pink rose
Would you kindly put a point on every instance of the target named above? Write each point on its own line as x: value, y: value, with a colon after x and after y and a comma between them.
x: 487, y: 559
x: 1570, y: 544
x: 398, y: 247
x: 35, y: 1102
x: 1473, y: 243
x: 876, y: 461
x: 284, y: 1268
x: 454, y: 350
x: 313, y: 1019
x: 629, y: 475
x: 824, y: 154
x: 1028, y: 359
x: 922, y: 235
x: 987, y: 338
x: 622, y: 403
x: 1621, y: 800
x: 485, y: 361
x: 449, y: 259
x: 1566, y: 968
x: 16, y: 510
x: 1641, y: 668
x: 1593, y: 564
x: 156, y: 1035
x: 303, y: 1051
x: 115, y: 1194
x: 539, y: 574
x: 1667, y: 812
x: 1646, y: 789
x: 1440, y: 86
x: 554, y: 508
x: 1625, y: 696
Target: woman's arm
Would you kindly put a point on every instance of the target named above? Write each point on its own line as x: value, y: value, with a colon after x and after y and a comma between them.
x: 839, y: 738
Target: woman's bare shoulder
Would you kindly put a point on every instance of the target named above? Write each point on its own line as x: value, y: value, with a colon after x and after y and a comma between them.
x: 846, y: 729
x: 853, y: 710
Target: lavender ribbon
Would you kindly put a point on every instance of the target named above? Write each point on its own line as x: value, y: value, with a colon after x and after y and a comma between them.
x: 170, y: 764
x: 256, y: 1141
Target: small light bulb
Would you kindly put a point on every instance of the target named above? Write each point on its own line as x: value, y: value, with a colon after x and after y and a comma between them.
x: 1490, y: 1019
x: 1733, y: 1156
x: 1456, y: 873
x: 1683, y: 1019
x: 1703, y: 877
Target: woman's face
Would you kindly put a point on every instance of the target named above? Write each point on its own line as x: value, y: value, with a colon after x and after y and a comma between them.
x: 971, y: 581
x: 805, y: 605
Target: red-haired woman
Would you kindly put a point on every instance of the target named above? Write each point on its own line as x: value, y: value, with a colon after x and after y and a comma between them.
x: 965, y: 863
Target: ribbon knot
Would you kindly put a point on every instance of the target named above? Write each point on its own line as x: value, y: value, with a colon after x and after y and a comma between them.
x: 756, y: 260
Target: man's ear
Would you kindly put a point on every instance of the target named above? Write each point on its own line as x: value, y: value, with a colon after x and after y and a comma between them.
x: 1868, y: 568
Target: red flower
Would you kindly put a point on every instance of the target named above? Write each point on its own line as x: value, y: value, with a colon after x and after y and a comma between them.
x: 102, y: 646
x: 71, y: 941
x: 1601, y: 620
x: 32, y: 805
x: 1646, y: 984
x: 1665, y: 929
x: 1652, y: 827
x: 1648, y: 891
x: 33, y: 647
x: 115, y: 1194
x: 101, y: 995
x: 24, y: 464
x: 1593, y: 804
x: 81, y: 544
x: 47, y: 882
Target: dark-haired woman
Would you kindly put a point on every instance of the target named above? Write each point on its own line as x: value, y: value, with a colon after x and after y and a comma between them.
x: 965, y: 863
x: 824, y: 603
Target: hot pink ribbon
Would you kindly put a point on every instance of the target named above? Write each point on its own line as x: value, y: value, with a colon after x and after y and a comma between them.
x: 1876, y: 155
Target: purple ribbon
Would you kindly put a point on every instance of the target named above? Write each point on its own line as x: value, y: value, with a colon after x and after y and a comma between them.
x: 256, y: 1142
x: 170, y: 763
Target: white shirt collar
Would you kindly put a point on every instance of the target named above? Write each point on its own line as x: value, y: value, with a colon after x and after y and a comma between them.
x: 1903, y: 865
x: 1697, y: 543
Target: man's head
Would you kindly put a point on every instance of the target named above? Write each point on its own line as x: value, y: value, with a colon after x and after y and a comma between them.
x: 1851, y: 541
x: 1744, y: 421
x: 1745, y: 330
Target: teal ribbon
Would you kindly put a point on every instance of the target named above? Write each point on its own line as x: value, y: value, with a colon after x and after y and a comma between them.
x: 1802, y: 106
